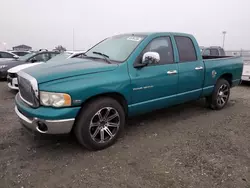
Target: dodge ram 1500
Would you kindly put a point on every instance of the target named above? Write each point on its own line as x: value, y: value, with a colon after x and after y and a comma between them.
x: 121, y: 76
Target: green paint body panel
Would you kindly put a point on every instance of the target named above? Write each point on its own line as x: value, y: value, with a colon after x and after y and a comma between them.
x: 144, y: 89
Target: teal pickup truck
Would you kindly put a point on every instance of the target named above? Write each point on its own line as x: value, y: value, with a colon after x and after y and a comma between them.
x: 121, y: 76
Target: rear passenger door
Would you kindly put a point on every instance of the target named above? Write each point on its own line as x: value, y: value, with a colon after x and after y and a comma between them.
x: 191, y: 70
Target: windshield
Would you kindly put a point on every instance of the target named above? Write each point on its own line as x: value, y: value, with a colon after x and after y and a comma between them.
x: 61, y: 56
x: 117, y: 48
x: 26, y: 57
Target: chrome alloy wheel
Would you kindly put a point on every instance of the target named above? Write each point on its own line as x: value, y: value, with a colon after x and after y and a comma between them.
x: 223, y: 94
x: 104, y: 125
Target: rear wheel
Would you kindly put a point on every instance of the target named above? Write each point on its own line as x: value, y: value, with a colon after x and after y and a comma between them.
x: 100, y: 123
x: 220, y: 95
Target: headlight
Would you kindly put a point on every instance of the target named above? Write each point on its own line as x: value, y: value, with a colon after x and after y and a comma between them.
x: 3, y: 66
x: 55, y: 99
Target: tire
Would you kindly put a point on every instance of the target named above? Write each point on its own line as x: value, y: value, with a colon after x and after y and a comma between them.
x: 220, y: 95
x: 95, y: 132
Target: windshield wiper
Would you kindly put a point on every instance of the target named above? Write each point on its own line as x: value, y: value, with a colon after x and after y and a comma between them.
x: 106, y: 57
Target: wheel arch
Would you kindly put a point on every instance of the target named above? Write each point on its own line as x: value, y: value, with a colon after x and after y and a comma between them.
x: 115, y: 95
x: 228, y: 77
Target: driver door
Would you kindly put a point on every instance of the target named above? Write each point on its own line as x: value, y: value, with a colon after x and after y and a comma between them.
x: 155, y: 85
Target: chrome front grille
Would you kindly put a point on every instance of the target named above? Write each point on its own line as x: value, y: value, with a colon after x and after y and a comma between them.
x: 28, y: 90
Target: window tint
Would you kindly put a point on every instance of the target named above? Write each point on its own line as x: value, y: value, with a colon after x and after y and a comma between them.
x: 214, y: 52
x: 5, y: 55
x: 186, y: 49
x: 163, y: 46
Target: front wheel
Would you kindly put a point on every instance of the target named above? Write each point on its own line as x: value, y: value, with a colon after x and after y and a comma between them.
x: 100, y: 123
x: 220, y: 95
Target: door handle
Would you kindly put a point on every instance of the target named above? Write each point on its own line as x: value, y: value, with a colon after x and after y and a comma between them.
x: 198, y: 68
x: 172, y: 72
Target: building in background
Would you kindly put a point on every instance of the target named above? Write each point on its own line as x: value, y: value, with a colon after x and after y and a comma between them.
x: 22, y: 48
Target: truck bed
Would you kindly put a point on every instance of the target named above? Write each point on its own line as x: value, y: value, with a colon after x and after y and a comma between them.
x: 230, y: 65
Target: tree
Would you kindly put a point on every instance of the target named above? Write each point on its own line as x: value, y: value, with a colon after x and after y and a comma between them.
x: 60, y: 48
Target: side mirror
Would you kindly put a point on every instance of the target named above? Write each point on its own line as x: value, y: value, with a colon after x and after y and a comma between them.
x: 148, y: 58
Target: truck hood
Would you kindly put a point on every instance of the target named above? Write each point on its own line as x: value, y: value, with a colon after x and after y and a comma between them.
x: 23, y: 66
x: 46, y: 72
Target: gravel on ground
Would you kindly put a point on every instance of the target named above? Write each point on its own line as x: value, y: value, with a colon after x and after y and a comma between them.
x: 183, y: 146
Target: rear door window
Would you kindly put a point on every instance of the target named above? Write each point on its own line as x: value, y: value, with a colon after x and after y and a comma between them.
x: 186, y: 49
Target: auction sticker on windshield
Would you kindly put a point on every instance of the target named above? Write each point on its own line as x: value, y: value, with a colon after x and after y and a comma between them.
x: 137, y: 39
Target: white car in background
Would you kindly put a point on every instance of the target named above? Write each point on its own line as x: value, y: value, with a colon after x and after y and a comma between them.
x: 13, y: 71
x: 5, y: 56
x: 246, y: 71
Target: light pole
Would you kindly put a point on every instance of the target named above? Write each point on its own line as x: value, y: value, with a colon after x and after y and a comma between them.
x: 73, y: 39
x: 224, y: 36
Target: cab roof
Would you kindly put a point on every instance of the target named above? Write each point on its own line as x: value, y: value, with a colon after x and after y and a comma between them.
x: 156, y: 33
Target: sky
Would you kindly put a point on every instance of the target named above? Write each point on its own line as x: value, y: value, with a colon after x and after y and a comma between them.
x: 48, y: 23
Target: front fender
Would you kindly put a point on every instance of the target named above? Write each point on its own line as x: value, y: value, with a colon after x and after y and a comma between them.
x: 83, y: 87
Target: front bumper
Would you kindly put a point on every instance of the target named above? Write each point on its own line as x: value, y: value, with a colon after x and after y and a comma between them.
x: 57, y: 120
x: 12, y: 83
x: 61, y: 126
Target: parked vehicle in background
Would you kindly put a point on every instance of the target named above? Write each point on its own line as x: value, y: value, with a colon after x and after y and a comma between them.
x: 67, y: 55
x: 28, y: 58
x: 245, y: 54
x: 122, y: 76
x: 12, y: 73
x: 20, y: 53
x: 5, y: 56
x: 246, y: 71
x: 213, y: 51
